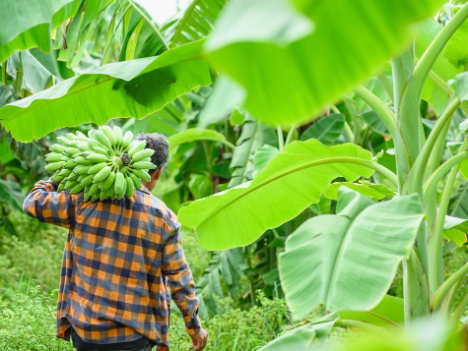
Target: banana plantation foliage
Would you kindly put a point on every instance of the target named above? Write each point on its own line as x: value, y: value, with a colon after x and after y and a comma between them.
x: 318, y: 153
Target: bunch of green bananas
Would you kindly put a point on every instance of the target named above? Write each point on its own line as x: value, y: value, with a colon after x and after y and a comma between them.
x: 105, y: 165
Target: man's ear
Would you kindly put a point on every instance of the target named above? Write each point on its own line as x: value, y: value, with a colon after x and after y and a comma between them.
x: 158, y: 173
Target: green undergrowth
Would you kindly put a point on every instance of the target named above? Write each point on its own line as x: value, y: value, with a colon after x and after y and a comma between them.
x: 30, y: 265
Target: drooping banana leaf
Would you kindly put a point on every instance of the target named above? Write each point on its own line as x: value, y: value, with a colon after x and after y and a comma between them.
x: 143, y: 37
x: 303, y: 338
x: 269, y: 62
x: 195, y: 134
x: 347, y: 261
x: 291, y: 181
x: 253, y: 136
x: 195, y: 23
x: 456, y: 230
x: 134, y: 88
x: 11, y: 193
x: 456, y: 50
x: 436, y: 89
x: 27, y: 24
x: 373, y: 191
x: 327, y: 130
x: 389, y: 311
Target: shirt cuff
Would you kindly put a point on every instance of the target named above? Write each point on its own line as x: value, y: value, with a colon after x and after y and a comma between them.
x: 193, y: 326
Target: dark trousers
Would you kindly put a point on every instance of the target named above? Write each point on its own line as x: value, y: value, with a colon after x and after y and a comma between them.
x: 137, y: 348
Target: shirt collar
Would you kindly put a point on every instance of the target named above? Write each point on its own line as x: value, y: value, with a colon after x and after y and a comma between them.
x: 145, y: 190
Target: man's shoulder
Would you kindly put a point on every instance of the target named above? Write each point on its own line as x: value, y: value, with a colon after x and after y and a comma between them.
x: 157, y: 207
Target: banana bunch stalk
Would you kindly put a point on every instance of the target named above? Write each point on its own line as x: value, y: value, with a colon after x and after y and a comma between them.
x: 105, y: 164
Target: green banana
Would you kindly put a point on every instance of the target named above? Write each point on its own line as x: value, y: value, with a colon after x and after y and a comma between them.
x: 63, y: 140
x: 53, y: 157
x: 81, y: 169
x: 97, y: 167
x: 130, y: 190
x: 80, y: 160
x: 118, y: 136
x: 109, y: 133
x: 127, y: 139
x: 87, y: 180
x: 96, y: 158
x: 119, y: 183
x: 56, y: 178
x: 136, y: 181
x: 76, y: 189
x: 143, y: 165
x: 107, y: 184
x: 138, y: 146
x: 65, y: 172
x: 72, y: 150
x: 102, y: 174
x: 70, y: 164
x: 94, y: 189
x: 60, y: 187
x: 101, y: 137
x: 70, y: 184
x: 73, y: 176
x: 140, y: 155
x: 86, y: 195
x: 143, y: 175
x: 57, y: 148
x: 124, y: 188
x: 54, y: 166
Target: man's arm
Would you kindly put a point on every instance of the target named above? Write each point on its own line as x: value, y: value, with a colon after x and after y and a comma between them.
x: 48, y: 206
x: 175, y: 268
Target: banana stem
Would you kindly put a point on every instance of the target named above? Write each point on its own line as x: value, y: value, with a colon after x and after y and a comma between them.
x: 445, y: 287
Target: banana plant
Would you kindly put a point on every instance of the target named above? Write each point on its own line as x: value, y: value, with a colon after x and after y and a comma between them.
x: 347, y: 260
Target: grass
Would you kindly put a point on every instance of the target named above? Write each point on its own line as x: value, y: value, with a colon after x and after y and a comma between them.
x: 29, y: 274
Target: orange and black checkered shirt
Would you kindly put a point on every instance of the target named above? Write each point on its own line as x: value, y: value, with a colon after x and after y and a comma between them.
x: 119, y: 257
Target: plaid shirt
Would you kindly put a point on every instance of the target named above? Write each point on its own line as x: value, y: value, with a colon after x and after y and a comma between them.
x: 118, y: 259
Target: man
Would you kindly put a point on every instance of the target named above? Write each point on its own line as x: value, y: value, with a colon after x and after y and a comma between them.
x: 118, y: 259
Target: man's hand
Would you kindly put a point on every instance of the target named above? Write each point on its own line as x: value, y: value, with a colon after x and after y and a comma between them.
x: 199, y: 340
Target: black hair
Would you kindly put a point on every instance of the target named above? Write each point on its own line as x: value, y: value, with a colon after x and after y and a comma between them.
x: 159, y: 144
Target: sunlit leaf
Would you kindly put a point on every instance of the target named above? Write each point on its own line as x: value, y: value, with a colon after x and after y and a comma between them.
x: 347, y: 261
x: 196, y: 134
x: 389, y: 310
x: 461, y: 86
x: 373, y: 191
x: 27, y: 24
x: 134, y: 88
x: 282, y: 190
x: 269, y: 62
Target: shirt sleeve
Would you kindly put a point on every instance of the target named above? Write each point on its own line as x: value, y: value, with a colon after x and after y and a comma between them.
x: 175, y: 268
x: 48, y: 206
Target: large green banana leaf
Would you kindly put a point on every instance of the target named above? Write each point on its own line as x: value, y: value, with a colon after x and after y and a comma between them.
x: 295, y: 62
x: 347, y: 261
x: 134, y: 88
x: 291, y: 181
x: 26, y: 24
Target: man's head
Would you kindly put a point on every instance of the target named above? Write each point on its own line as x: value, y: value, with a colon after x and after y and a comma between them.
x: 159, y: 144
